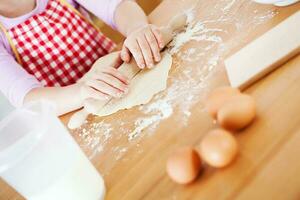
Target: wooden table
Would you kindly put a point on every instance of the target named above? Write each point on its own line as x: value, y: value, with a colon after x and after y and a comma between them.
x: 268, y: 166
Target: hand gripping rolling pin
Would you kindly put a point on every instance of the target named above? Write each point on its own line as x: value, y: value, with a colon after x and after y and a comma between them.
x: 130, y: 70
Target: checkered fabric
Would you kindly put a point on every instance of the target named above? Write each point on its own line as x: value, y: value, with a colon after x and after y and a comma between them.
x: 58, y: 46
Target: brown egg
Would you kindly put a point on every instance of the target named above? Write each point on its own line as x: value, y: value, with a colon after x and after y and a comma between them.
x: 183, y: 165
x: 218, y: 97
x: 237, y: 113
x: 218, y: 148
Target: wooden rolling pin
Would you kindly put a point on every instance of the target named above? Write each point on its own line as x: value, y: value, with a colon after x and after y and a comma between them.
x: 128, y: 69
x: 265, y: 54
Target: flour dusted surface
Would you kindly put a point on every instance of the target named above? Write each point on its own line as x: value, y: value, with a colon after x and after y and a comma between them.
x: 198, y: 54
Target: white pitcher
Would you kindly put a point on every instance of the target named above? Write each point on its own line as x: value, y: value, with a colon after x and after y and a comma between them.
x: 277, y: 2
x: 41, y: 160
x: 5, y: 107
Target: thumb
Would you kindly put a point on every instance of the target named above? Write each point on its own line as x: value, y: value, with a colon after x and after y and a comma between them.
x: 113, y: 60
x: 118, y: 61
x: 125, y: 54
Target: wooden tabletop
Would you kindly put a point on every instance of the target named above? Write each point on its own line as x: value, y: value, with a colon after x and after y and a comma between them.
x: 130, y: 147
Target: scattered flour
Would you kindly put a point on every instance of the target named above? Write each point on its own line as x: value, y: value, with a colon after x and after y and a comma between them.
x: 195, y: 31
x: 95, y: 136
x: 164, y: 110
x: 186, y: 85
x: 229, y: 5
x: 120, y: 151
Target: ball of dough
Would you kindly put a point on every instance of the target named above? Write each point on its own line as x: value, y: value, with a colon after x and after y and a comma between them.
x: 183, y: 166
x: 218, y: 148
x: 237, y: 113
x: 218, y: 97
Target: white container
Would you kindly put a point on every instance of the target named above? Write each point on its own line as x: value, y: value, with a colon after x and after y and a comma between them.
x: 277, y: 2
x: 41, y: 160
x: 5, y: 107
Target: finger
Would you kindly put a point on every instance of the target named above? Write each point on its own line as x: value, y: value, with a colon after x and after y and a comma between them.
x: 119, y: 62
x: 110, y: 60
x: 105, y: 88
x: 137, y: 54
x: 146, y: 51
x: 112, y: 81
x: 158, y: 37
x: 125, y: 54
x: 115, y: 73
x: 114, y: 59
x: 92, y: 93
x: 153, y: 45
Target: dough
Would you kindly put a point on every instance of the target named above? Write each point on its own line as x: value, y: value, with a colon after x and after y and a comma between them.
x: 144, y: 85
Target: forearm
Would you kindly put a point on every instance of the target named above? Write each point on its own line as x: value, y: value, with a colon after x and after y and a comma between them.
x: 66, y: 98
x: 129, y: 16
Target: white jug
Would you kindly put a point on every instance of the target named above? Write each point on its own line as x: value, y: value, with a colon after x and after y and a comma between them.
x: 277, y: 2
x: 5, y: 107
x: 41, y: 160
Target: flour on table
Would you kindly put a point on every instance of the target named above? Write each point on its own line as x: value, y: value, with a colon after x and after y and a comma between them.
x: 206, y: 42
x: 164, y: 110
x: 95, y: 136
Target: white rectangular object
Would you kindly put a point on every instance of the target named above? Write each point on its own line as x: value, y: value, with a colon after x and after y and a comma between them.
x: 265, y: 53
x: 42, y: 161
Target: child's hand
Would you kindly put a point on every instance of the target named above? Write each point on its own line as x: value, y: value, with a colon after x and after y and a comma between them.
x: 144, y: 44
x: 103, y: 84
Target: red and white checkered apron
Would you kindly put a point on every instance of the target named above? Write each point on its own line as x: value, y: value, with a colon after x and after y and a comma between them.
x: 58, y: 46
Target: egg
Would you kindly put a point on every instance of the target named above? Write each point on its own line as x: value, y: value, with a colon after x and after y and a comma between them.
x: 218, y: 97
x: 218, y: 148
x: 183, y: 165
x: 237, y: 113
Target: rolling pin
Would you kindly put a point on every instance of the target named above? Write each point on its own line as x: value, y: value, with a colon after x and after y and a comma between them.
x: 265, y: 54
x: 128, y: 69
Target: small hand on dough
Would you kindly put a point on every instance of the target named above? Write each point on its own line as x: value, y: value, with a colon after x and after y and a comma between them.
x: 143, y: 86
x: 144, y: 44
x: 103, y: 82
